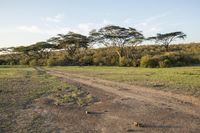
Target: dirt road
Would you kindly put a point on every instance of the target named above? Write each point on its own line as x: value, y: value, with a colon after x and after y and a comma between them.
x: 120, y: 105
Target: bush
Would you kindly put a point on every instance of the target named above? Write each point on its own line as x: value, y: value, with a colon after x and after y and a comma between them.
x: 144, y: 56
x: 180, y: 59
x: 86, y: 60
x: 24, y: 61
x: 33, y: 62
x: 55, y: 62
x: 165, y: 63
x: 148, y: 61
x: 122, y: 61
x: 2, y: 62
x: 135, y: 63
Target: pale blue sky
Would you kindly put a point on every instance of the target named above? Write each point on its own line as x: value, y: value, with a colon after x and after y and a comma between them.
x: 23, y: 22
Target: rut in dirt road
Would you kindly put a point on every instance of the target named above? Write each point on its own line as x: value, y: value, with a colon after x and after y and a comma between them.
x: 160, y: 111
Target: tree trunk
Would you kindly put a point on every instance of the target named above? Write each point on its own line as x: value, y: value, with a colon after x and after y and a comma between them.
x: 120, y: 54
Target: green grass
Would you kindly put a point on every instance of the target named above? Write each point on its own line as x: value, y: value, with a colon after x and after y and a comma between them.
x: 184, y: 80
x: 13, y: 66
x: 20, y: 86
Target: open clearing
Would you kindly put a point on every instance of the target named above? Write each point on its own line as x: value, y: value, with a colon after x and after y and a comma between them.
x: 32, y: 101
x: 90, y: 99
x: 184, y: 80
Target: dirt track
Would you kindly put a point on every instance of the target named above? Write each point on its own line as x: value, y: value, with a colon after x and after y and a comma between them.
x: 120, y: 105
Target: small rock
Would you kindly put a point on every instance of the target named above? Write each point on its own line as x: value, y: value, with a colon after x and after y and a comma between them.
x: 137, y: 124
x: 87, y: 112
x: 57, y: 103
x: 94, y: 113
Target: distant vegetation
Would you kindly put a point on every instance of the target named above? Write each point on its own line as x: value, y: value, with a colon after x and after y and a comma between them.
x: 108, y: 46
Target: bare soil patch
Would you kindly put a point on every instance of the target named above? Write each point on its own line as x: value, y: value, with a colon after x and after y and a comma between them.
x: 120, y: 106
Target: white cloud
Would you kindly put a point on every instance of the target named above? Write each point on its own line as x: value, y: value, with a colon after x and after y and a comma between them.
x: 57, y: 28
x: 84, y: 28
x: 106, y: 22
x: 152, y: 25
x: 52, y: 30
x: 127, y: 21
x: 56, y: 19
x: 32, y: 29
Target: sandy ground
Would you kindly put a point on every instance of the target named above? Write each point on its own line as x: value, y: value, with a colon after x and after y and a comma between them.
x: 119, y: 105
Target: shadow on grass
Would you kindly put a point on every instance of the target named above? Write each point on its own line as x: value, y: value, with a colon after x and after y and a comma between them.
x: 152, y: 126
x: 134, y: 130
x: 159, y: 126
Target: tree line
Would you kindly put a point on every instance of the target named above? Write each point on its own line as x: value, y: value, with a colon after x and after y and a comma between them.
x: 110, y: 45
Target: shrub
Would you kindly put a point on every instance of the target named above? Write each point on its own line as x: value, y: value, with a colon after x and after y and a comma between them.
x: 135, y: 62
x: 86, y: 60
x: 165, y: 63
x: 181, y: 59
x: 24, y: 61
x: 33, y: 62
x: 96, y: 61
x: 55, y: 61
x: 179, y: 55
x: 2, y: 62
x: 124, y: 61
x: 113, y: 61
x: 51, y: 62
x: 148, y: 61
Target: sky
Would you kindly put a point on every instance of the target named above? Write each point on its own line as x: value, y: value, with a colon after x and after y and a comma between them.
x: 25, y: 22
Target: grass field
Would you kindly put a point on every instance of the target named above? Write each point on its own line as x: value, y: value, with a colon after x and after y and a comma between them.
x: 185, y: 80
x: 20, y: 86
x: 32, y: 100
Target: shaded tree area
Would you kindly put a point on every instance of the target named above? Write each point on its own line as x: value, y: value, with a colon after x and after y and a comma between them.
x: 108, y: 46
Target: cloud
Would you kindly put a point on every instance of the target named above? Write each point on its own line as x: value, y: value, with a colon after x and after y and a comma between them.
x: 106, y: 22
x: 127, y: 21
x: 153, y: 24
x: 56, y: 19
x: 50, y: 29
x: 150, y: 26
x: 32, y: 29
x: 85, y: 28
x: 156, y: 17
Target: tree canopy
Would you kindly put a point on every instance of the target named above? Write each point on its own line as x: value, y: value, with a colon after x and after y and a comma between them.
x: 167, y: 38
x: 117, y: 37
x: 71, y: 42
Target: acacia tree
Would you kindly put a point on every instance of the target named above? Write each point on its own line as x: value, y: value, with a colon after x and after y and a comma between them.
x: 35, y: 52
x: 6, y: 50
x: 167, y: 38
x: 71, y: 42
x: 12, y: 56
x: 116, y: 37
